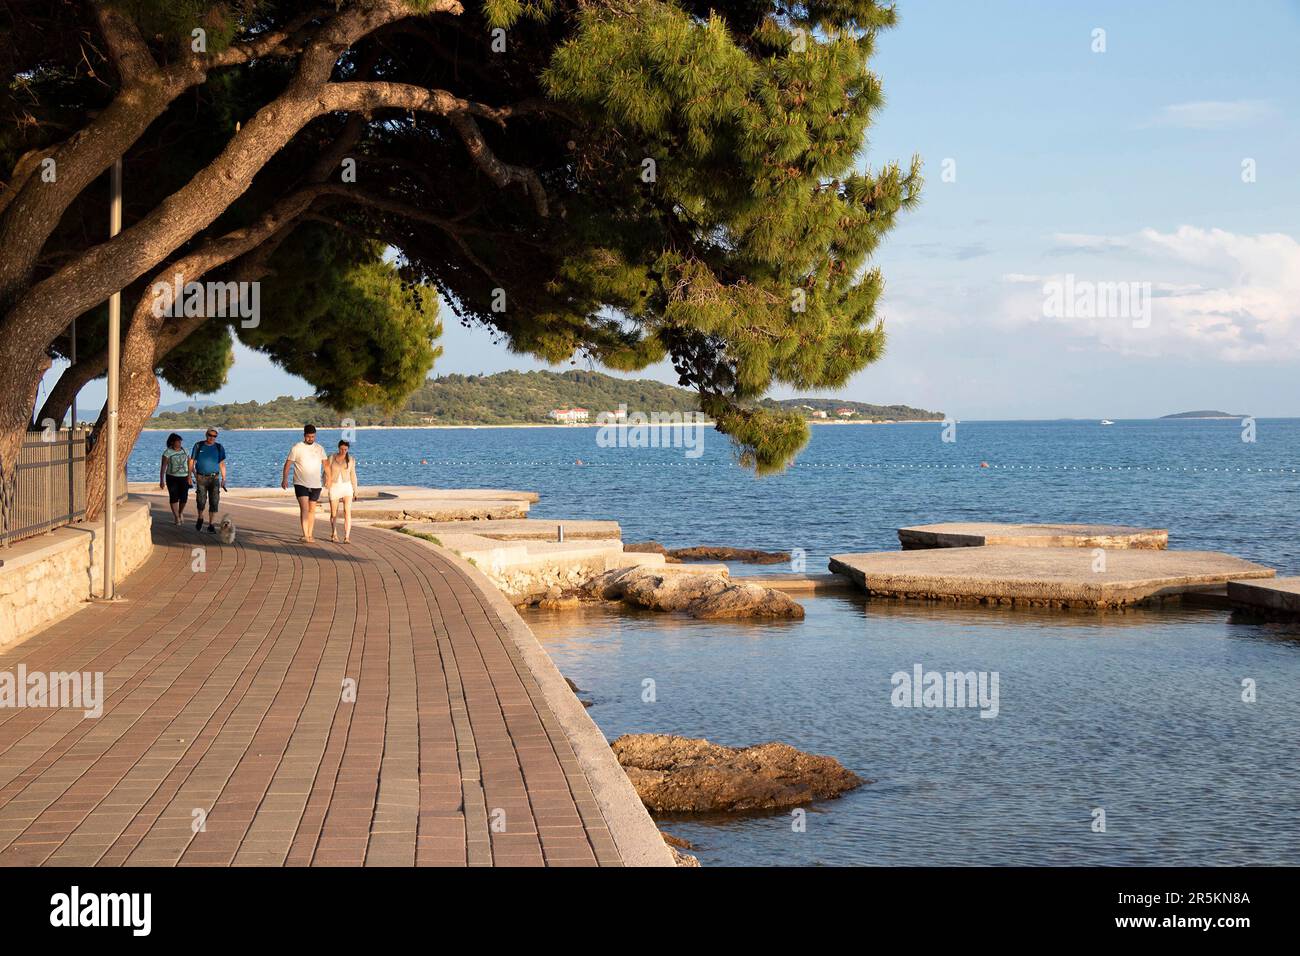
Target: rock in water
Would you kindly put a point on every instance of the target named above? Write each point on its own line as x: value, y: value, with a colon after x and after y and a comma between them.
x: 745, y: 600
x: 671, y: 592
x: 610, y: 585
x: 656, y: 589
x: 677, y: 841
x: 721, y: 553
x: 645, y: 547
x: 701, y: 595
x: 687, y: 775
x: 675, y: 846
x: 683, y: 859
x: 651, y: 547
x: 557, y: 600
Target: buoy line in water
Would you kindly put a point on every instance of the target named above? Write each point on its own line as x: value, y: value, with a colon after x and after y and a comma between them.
x: 935, y: 466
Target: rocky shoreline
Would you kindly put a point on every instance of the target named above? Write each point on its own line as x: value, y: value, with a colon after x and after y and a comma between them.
x: 703, y: 596
x: 709, y: 552
x: 674, y: 774
x: 685, y: 775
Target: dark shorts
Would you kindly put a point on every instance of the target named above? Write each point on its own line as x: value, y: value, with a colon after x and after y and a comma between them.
x: 207, y: 492
x: 302, y: 491
x: 178, y: 489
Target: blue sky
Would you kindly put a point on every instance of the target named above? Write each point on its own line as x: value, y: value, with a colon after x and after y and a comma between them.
x: 1117, y: 166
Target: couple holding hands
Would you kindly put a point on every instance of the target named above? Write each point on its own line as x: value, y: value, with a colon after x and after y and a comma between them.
x: 203, y: 468
x: 307, y: 459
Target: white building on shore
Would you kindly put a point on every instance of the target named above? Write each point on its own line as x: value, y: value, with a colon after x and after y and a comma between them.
x: 569, y: 416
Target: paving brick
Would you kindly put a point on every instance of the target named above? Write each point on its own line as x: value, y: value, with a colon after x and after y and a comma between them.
x: 226, y: 738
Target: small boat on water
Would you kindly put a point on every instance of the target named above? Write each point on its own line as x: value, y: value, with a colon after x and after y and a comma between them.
x: 1107, y: 421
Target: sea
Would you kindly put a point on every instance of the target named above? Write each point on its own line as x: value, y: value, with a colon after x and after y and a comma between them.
x: 1152, y: 736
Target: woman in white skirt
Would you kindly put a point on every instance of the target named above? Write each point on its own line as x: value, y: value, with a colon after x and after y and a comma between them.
x: 341, y: 477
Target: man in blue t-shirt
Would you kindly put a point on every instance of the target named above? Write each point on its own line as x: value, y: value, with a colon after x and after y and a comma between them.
x: 208, y: 469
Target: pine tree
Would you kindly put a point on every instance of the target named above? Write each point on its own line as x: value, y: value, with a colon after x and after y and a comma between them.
x: 613, y: 180
x: 745, y: 257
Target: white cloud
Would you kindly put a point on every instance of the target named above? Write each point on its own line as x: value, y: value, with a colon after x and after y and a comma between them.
x: 1213, y: 295
x: 1214, y: 114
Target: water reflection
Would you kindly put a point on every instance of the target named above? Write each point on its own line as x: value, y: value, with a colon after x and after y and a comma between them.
x: 1138, y: 712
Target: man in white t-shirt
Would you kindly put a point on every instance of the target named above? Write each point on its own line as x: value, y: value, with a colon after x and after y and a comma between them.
x: 306, y: 458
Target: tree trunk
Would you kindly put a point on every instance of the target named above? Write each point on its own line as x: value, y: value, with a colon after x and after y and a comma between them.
x: 74, y: 378
x: 23, y: 371
x: 137, y: 398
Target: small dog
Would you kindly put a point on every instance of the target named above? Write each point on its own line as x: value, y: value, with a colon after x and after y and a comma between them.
x: 226, y: 530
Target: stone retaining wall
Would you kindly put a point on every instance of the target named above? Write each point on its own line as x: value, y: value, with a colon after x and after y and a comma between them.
x: 44, y: 578
x: 519, y: 584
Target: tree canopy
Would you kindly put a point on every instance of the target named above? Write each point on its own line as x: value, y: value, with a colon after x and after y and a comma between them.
x: 617, y: 180
x: 345, y: 321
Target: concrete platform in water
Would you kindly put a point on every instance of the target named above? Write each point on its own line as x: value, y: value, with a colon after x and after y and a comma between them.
x: 973, y: 534
x: 1280, y: 595
x: 523, y: 529
x: 1060, y: 577
x: 798, y: 583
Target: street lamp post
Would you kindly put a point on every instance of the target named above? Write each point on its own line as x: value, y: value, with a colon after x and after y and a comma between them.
x: 72, y: 360
x: 110, y: 417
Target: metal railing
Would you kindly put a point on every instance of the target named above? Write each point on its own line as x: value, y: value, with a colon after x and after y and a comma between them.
x: 50, y: 477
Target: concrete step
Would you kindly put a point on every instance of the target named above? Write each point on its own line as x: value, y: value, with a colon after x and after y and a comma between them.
x: 974, y: 534
x: 595, y: 555
x: 1281, y: 595
x: 1063, y: 577
x: 799, y: 583
x: 695, y: 567
x: 1211, y: 597
x: 430, y: 509
x: 455, y: 494
x: 570, y: 546
x: 522, y: 529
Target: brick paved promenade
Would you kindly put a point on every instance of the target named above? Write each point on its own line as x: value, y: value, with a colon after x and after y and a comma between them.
x: 225, y: 703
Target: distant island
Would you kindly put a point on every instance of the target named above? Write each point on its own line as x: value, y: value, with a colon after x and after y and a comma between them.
x: 1203, y: 413
x: 185, y: 405
x: 837, y: 409
x: 513, y: 398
